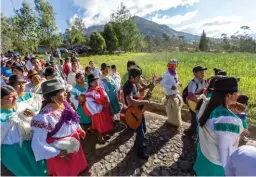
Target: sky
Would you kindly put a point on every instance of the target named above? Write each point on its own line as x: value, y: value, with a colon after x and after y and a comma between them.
x: 192, y: 16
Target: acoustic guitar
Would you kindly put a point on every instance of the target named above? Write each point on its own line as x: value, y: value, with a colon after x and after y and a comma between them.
x: 134, y: 114
x: 193, y: 104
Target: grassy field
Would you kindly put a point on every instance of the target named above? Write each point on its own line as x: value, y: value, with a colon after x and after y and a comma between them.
x: 241, y: 65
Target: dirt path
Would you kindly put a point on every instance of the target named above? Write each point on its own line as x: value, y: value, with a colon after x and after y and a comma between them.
x: 170, y: 152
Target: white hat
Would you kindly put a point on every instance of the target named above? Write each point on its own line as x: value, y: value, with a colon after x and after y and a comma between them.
x: 173, y: 62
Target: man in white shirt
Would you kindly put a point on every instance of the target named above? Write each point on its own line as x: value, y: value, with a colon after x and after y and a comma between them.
x: 172, y: 101
x: 96, y: 71
x: 71, y: 80
x: 242, y: 162
x: 47, y: 57
x: 195, y: 88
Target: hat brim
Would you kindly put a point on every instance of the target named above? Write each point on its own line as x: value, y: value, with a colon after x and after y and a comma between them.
x: 18, y: 81
x: 30, y: 76
x: 108, y: 66
x: 54, y: 74
x: 93, y: 79
x: 233, y: 89
x: 56, y: 89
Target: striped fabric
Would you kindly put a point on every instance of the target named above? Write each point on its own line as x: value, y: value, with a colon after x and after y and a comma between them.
x: 224, y: 121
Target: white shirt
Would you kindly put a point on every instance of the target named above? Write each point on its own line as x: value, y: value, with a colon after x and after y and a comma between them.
x: 71, y: 80
x: 168, y: 82
x: 242, y: 162
x: 42, y: 124
x: 96, y: 72
x: 29, y: 65
x: 47, y: 58
x: 197, y: 86
x: 2, y: 82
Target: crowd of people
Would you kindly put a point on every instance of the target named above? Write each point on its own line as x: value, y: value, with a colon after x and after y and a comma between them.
x: 48, y: 106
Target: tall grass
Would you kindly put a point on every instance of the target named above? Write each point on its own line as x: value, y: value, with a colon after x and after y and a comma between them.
x: 241, y: 65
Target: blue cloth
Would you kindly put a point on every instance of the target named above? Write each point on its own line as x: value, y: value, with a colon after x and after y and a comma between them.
x: 6, y: 72
x: 111, y: 91
x: 26, y: 96
x: 140, y: 136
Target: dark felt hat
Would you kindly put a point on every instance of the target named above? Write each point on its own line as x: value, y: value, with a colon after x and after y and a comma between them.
x: 216, y: 70
x: 49, y: 71
x: 92, y: 78
x: 51, y: 86
x: 198, y: 68
x: 104, y: 66
x: 16, y: 79
x: 17, y: 65
x: 221, y: 73
x: 226, y: 84
x: 212, y: 82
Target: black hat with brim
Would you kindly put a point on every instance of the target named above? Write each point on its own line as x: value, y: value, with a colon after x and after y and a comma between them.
x: 221, y: 73
x: 16, y: 79
x: 198, y: 68
x: 104, y: 66
x: 49, y: 71
x: 92, y: 78
x: 51, y: 86
x: 17, y: 65
x: 226, y: 84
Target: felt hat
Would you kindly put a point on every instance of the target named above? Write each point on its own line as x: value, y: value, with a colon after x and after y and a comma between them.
x: 92, y: 78
x: 226, y: 84
x: 104, y: 66
x: 16, y: 79
x: 49, y: 71
x: 51, y: 86
x: 32, y: 73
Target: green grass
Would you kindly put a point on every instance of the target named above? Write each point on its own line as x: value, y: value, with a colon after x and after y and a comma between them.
x: 241, y: 65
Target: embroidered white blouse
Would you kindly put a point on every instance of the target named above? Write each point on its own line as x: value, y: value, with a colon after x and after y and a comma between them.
x: 44, y: 123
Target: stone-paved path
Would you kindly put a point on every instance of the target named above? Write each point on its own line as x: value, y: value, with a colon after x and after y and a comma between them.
x: 170, y: 152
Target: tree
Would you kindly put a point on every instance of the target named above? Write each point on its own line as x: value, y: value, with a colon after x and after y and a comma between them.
x: 130, y: 32
x: 97, y: 42
x: 6, y: 34
x: 48, y: 30
x: 73, y: 36
x: 125, y: 28
x: 26, y: 29
x: 110, y: 37
x: 225, y: 42
x: 140, y: 44
x: 79, y: 25
x: 121, y: 15
x: 203, y: 45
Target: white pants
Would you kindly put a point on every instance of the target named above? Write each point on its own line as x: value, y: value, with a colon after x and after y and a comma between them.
x: 173, y: 105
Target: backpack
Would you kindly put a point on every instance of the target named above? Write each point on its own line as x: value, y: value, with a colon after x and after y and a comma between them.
x: 185, y: 92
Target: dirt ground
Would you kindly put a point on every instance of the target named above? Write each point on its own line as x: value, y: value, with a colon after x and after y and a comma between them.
x: 171, y: 153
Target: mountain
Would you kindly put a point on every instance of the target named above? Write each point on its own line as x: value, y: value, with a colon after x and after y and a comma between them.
x: 150, y: 28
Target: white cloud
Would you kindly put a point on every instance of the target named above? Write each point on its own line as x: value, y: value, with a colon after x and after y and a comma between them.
x: 175, y: 20
x: 214, y: 27
x: 98, y: 11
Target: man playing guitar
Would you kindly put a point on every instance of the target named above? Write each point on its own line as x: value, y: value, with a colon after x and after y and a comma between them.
x: 195, y: 88
x: 131, y: 95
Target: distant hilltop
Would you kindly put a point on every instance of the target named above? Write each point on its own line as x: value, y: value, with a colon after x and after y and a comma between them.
x: 150, y: 28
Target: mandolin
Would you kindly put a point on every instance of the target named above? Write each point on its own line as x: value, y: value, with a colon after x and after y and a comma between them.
x: 134, y: 114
